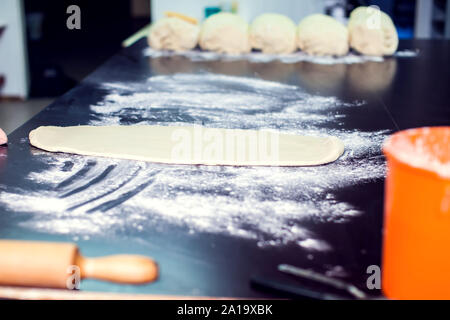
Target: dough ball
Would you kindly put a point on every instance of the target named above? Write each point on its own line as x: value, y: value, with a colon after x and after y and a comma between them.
x: 173, y: 34
x: 322, y: 35
x: 3, y: 137
x: 372, y: 32
x: 273, y: 33
x: 225, y: 33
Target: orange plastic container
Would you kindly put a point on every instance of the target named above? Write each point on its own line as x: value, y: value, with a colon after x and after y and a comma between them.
x: 416, y: 248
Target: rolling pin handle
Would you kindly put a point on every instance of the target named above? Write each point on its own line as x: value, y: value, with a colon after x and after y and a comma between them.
x: 127, y: 269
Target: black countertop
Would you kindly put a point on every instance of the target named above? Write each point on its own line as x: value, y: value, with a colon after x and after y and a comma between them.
x: 398, y: 93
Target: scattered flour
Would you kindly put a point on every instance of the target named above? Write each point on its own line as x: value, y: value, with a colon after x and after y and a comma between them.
x: 407, y: 53
x: 265, y: 204
x: 258, y: 57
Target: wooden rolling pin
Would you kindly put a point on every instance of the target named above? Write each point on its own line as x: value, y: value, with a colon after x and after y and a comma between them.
x: 47, y: 264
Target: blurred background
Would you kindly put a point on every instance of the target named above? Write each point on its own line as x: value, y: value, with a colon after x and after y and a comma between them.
x: 40, y: 58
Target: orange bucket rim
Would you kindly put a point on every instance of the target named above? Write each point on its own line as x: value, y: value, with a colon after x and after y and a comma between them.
x: 400, y: 148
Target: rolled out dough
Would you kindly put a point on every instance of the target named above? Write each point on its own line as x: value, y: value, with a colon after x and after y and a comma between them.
x: 189, y: 145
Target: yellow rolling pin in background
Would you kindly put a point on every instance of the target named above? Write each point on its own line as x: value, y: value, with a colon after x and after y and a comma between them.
x: 48, y: 264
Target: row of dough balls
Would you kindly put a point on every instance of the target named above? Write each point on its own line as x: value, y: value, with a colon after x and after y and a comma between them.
x: 272, y: 33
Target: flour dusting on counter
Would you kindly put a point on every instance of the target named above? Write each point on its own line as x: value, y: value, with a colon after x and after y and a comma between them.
x: 265, y: 204
x: 258, y: 57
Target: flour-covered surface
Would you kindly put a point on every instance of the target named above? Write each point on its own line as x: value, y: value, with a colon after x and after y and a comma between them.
x: 258, y: 57
x: 210, y: 228
x: 87, y: 196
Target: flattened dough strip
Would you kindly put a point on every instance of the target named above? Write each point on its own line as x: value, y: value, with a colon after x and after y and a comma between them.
x: 189, y: 145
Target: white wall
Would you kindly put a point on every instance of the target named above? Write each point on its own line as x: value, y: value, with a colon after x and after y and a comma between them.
x: 248, y: 9
x: 447, y: 21
x: 424, y: 16
x: 13, y: 52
